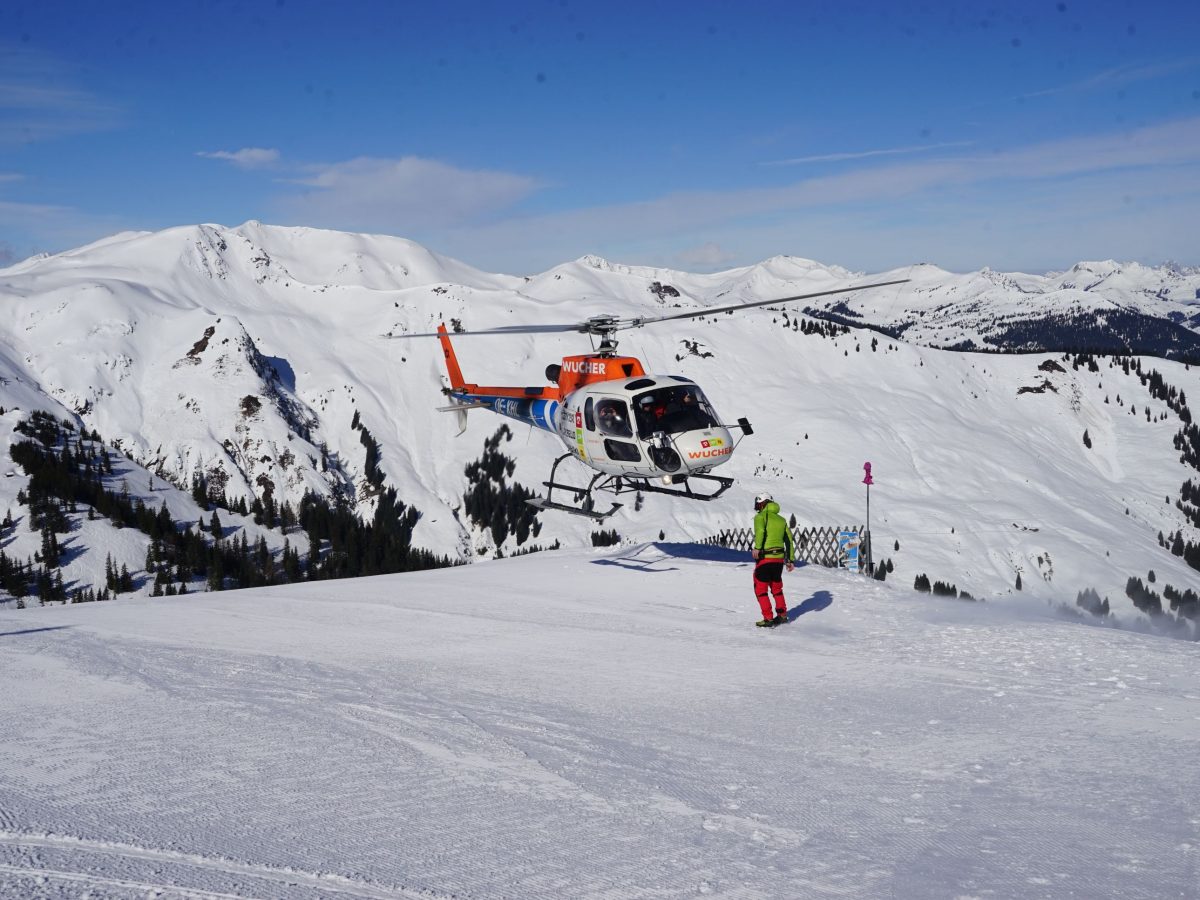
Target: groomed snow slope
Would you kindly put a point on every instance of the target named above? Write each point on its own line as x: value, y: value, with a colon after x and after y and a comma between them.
x: 602, y: 724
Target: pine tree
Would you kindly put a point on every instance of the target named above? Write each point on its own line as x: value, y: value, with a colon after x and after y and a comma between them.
x: 287, y: 517
x: 216, y: 571
x: 199, y: 490
x: 1018, y: 581
x: 50, y: 549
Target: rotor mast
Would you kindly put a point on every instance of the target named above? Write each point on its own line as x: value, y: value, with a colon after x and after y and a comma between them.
x: 605, y: 328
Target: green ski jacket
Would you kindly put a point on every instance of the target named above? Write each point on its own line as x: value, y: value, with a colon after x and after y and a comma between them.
x: 772, y: 537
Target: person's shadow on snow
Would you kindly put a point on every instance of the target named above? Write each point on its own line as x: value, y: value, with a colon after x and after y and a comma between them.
x: 817, y: 602
x: 703, y: 552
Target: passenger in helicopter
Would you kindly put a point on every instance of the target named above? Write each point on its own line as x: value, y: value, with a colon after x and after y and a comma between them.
x: 689, y: 415
x: 651, y: 410
x: 612, y: 418
x: 673, y: 410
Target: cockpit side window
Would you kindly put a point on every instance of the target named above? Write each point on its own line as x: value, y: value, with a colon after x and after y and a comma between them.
x: 588, y: 418
x: 612, y: 417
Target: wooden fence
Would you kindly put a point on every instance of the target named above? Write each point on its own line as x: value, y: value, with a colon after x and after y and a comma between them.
x: 815, y: 544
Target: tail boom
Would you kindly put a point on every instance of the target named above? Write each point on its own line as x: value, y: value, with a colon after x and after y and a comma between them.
x: 536, y: 406
x: 538, y: 412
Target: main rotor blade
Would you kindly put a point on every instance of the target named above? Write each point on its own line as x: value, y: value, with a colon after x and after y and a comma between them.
x: 600, y: 325
x: 637, y: 323
x: 503, y: 329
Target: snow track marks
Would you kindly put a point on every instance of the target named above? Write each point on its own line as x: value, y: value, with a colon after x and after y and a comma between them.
x: 193, y: 869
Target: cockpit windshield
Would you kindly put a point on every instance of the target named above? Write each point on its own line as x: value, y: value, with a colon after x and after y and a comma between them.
x: 673, y: 409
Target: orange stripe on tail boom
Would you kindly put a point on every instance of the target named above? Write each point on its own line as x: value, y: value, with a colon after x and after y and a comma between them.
x: 460, y: 385
x: 452, y: 369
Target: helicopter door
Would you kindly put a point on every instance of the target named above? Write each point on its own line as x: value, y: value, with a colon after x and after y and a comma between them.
x: 590, y: 438
x: 613, y: 423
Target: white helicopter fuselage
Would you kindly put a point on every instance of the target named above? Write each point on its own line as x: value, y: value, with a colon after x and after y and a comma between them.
x: 650, y: 426
x: 644, y: 426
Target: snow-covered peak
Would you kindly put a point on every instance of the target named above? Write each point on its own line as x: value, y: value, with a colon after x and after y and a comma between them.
x: 784, y: 266
x: 595, y: 262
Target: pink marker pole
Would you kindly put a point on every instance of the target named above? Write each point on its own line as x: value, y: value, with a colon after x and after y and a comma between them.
x: 868, y: 481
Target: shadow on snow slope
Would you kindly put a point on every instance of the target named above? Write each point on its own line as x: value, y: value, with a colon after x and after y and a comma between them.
x: 33, y: 630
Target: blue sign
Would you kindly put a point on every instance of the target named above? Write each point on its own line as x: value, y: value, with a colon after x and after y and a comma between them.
x: 848, y: 543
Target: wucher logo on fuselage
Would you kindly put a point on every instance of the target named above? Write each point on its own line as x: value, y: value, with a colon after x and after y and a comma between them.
x: 635, y: 431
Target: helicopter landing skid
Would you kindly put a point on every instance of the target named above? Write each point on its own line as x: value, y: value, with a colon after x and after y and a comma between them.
x: 541, y: 503
x: 626, y: 483
x: 585, y: 502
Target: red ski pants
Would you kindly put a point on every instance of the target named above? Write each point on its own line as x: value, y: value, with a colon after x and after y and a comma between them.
x: 768, y: 576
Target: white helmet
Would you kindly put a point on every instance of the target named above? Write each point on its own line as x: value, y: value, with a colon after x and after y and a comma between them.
x: 760, y: 499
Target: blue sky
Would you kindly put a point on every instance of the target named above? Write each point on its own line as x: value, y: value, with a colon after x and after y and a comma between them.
x: 697, y: 135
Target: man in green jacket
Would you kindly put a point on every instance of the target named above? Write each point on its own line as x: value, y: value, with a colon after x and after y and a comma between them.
x: 773, y: 549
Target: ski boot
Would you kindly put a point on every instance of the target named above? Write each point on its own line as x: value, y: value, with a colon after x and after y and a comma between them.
x: 765, y: 623
x: 780, y: 618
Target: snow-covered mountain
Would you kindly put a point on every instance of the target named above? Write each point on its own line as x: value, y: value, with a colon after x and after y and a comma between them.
x: 247, y: 354
x: 1095, y: 306
x: 621, y: 731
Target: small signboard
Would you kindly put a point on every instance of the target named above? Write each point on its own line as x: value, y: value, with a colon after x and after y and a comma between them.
x: 848, y: 543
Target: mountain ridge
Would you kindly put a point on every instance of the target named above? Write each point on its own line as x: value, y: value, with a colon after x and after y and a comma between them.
x: 108, y: 337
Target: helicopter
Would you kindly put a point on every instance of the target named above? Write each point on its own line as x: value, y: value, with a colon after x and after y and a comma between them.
x: 636, y: 431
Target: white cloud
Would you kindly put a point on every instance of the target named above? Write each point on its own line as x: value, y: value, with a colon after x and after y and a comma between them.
x: 410, y: 194
x: 707, y: 257
x: 1117, y: 77
x: 802, y: 214
x: 246, y: 158
x: 32, y: 227
x: 864, y: 154
x: 38, y: 101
